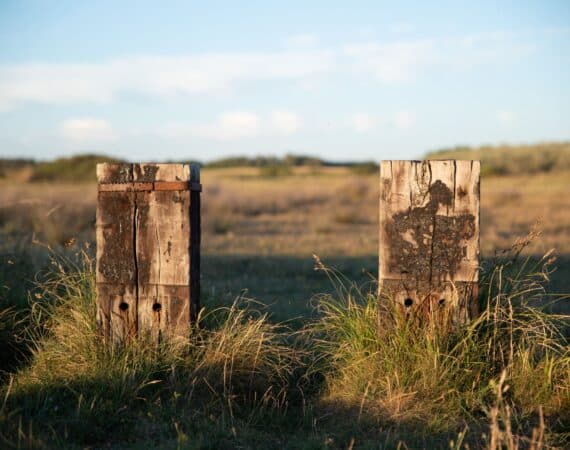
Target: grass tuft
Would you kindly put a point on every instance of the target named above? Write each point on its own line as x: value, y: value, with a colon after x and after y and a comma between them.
x: 388, y: 371
x: 234, y: 368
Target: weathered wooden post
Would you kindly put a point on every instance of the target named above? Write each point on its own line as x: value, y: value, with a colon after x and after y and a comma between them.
x: 429, y: 238
x: 148, y: 249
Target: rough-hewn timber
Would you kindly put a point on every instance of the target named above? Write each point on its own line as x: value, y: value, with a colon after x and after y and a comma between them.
x: 429, y: 237
x: 148, y: 238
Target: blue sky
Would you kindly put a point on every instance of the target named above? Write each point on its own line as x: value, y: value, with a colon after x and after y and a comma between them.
x: 341, y: 80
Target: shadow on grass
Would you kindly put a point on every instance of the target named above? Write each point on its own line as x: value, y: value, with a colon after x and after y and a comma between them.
x: 286, y: 284
x: 83, y: 411
x: 97, y: 411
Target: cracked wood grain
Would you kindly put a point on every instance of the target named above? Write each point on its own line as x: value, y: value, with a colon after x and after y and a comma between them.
x: 429, y: 236
x: 145, y: 240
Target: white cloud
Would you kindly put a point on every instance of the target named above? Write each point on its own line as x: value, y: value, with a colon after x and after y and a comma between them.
x: 407, y: 60
x: 556, y: 31
x: 404, y: 120
x: 87, y: 130
x: 219, y: 73
x: 393, y: 62
x: 65, y: 83
x: 401, y: 27
x: 302, y: 40
x: 228, y: 126
x: 362, y: 122
x: 236, y: 125
x: 284, y: 122
x: 505, y: 116
x: 480, y: 49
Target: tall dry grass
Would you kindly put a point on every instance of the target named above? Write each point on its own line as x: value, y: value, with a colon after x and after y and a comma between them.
x: 234, y: 367
x: 386, y: 370
x: 357, y: 374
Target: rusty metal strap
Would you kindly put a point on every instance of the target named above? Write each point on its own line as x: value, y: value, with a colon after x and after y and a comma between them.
x: 151, y: 186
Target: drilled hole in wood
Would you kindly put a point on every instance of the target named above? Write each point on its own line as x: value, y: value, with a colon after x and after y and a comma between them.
x: 408, y: 302
x: 156, y: 307
x: 123, y: 306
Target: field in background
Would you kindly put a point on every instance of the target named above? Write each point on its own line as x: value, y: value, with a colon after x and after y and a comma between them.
x: 261, y: 227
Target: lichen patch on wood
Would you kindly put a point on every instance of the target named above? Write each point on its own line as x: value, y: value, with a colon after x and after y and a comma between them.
x: 411, y: 235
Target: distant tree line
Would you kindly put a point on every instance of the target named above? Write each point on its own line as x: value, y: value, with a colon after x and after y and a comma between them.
x: 13, y: 164
x: 82, y: 167
x: 512, y: 159
x: 495, y: 160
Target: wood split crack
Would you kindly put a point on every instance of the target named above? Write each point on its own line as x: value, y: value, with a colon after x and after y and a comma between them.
x: 432, y: 249
x: 136, y: 265
x: 454, y: 182
x: 159, y: 260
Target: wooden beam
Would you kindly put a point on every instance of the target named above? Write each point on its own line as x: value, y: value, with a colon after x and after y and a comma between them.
x: 429, y: 237
x: 147, y: 251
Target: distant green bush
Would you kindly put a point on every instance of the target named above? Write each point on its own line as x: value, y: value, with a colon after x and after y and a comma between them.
x: 510, y: 159
x: 365, y: 168
x: 75, y: 169
x: 265, y: 161
x: 7, y: 164
x: 14, y: 163
x: 302, y: 160
x: 275, y: 171
x: 237, y: 161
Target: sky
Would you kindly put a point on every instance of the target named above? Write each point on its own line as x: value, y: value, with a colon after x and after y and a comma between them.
x: 359, y: 80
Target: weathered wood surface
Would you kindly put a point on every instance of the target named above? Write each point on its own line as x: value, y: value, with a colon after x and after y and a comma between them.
x: 147, y: 249
x: 195, y: 242
x: 429, y: 238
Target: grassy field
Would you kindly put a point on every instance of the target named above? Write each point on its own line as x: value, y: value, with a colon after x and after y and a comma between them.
x: 328, y: 379
x: 260, y: 232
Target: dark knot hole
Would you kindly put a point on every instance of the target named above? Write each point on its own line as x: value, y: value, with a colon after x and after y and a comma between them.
x: 123, y: 306
x: 441, y: 301
x: 408, y: 302
x: 156, y: 307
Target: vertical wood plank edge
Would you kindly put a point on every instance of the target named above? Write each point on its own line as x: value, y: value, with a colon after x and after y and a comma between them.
x: 195, y: 242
